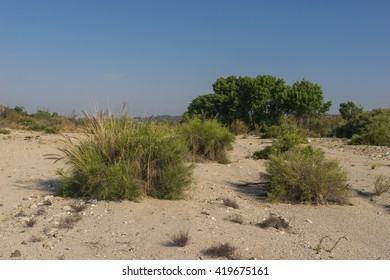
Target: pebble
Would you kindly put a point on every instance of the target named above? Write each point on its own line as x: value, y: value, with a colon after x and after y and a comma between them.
x: 309, y: 221
x: 48, y: 245
x: 33, y: 206
x: 67, y: 208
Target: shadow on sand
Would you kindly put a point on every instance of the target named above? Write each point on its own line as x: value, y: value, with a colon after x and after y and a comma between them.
x: 50, y: 186
x: 254, y: 189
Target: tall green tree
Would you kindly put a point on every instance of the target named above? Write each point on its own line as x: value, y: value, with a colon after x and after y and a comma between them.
x: 305, y: 100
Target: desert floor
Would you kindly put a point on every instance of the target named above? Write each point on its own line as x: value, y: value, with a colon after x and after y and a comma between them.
x: 129, y: 230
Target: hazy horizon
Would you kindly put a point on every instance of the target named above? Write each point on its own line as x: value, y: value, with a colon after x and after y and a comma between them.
x: 157, y: 56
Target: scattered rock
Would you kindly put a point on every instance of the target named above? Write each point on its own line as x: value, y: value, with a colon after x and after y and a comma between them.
x: 33, y: 206
x: 309, y: 221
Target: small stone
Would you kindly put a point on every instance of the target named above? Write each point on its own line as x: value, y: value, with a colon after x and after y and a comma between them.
x: 309, y: 221
x: 16, y: 254
x: 33, y: 206
x: 67, y: 208
x: 48, y: 245
x: 48, y: 197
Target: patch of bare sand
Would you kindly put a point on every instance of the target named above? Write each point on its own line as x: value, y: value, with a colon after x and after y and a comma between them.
x: 128, y: 230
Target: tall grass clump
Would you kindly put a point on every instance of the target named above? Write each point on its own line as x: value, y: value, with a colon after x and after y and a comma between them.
x: 120, y: 159
x: 304, y: 175
x: 207, y: 139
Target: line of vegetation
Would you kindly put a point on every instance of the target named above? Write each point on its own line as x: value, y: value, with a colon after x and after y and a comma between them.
x: 41, y: 120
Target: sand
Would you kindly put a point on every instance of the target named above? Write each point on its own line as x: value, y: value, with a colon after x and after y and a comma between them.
x: 36, y: 224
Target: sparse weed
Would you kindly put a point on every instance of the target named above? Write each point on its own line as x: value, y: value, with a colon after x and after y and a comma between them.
x: 78, y: 207
x: 69, y: 221
x: 222, y: 250
x: 230, y: 203
x: 40, y: 212
x: 238, y: 219
x: 181, y: 239
x: 275, y: 221
x: 30, y: 222
x: 381, y: 185
x: 35, y: 238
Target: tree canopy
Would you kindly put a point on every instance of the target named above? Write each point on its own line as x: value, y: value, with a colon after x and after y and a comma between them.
x: 261, y: 100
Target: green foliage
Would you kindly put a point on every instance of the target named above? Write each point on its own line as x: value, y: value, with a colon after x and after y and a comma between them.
x: 5, y: 131
x: 349, y: 110
x: 238, y: 127
x: 305, y: 101
x: 259, y: 101
x: 119, y: 159
x: 367, y: 128
x: 207, y: 139
x: 18, y: 118
x: 381, y: 185
x: 303, y: 175
x: 285, y: 136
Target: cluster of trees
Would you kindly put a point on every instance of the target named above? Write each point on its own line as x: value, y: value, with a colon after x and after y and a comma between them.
x: 261, y: 100
x: 364, y: 127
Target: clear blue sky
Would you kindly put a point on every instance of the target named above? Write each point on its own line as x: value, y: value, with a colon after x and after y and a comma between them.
x: 159, y: 55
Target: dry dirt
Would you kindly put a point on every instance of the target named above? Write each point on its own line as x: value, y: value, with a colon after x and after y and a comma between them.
x: 35, y: 224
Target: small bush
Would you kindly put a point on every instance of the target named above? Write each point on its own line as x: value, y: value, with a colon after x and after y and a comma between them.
x: 31, y: 222
x: 275, y: 221
x: 223, y: 250
x: 230, y: 203
x: 69, y: 221
x: 381, y: 185
x: 207, y: 139
x: 120, y: 159
x: 180, y: 239
x: 237, y: 219
x: 5, y: 131
x: 303, y: 175
x: 285, y: 137
x: 238, y: 127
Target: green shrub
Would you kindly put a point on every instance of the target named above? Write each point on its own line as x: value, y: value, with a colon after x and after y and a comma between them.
x: 286, y: 137
x: 119, y: 159
x: 303, y: 175
x: 5, y: 131
x: 381, y: 185
x: 207, y: 139
x: 238, y: 127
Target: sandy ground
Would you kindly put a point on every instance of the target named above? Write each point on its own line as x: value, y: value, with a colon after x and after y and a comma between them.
x: 128, y: 230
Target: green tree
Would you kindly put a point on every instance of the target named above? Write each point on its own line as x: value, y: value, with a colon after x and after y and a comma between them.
x: 349, y: 110
x: 305, y: 100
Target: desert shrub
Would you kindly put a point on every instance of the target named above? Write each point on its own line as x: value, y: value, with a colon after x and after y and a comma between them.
x: 238, y: 127
x: 275, y: 221
x: 325, y: 126
x: 381, y: 185
x: 5, y: 131
x: 207, y: 139
x: 222, y: 250
x: 228, y: 202
x: 181, y: 239
x: 120, y: 159
x: 303, y: 175
x: 285, y: 137
x: 367, y: 128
